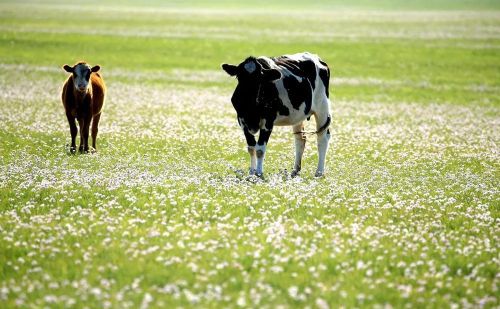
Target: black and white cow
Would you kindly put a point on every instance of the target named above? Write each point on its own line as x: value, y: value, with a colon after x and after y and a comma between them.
x: 282, y: 91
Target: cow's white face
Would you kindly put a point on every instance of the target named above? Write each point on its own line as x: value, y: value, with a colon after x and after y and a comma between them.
x: 81, y: 75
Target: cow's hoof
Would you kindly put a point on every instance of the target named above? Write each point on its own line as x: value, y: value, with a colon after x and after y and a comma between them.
x: 259, y: 173
x: 84, y: 151
x: 294, y: 173
x: 319, y: 174
x: 251, y: 172
x: 92, y: 150
x: 254, y: 178
x: 72, y: 150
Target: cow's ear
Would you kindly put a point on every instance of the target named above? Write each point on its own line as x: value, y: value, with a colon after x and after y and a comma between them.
x: 67, y: 68
x: 230, y: 69
x: 95, y: 68
x: 270, y: 75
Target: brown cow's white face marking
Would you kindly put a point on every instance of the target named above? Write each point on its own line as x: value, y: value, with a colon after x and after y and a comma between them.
x: 81, y: 76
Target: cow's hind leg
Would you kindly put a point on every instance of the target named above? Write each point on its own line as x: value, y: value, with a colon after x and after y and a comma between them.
x: 322, y: 127
x: 95, y: 125
x: 86, y: 128
x: 300, y: 144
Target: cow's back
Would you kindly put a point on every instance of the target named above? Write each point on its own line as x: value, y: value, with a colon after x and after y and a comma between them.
x: 307, y: 65
x: 303, y: 88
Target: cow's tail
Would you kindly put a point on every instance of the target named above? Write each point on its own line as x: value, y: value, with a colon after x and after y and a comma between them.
x: 324, y: 74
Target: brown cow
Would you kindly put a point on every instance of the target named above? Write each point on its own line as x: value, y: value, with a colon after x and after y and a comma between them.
x: 83, y: 98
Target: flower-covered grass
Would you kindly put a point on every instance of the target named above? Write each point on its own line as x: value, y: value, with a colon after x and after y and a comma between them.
x: 163, y: 215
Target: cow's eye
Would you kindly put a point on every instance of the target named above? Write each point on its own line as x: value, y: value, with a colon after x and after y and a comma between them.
x: 87, y: 76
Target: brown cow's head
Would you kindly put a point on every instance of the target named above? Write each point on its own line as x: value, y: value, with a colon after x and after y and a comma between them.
x: 81, y: 74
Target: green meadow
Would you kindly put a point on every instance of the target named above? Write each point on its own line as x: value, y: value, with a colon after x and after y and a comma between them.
x: 164, y: 214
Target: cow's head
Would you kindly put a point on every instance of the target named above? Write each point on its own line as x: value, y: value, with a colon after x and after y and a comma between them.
x: 81, y: 74
x: 251, y: 76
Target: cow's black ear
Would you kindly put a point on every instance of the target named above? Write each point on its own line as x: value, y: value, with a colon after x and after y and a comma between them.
x: 95, y: 68
x: 230, y: 69
x: 67, y: 68
x: 271, y: 75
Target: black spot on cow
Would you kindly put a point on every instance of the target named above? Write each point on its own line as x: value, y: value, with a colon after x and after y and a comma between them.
x: 309, y: 69
x: 324, y: 74
x: 298, y: 92
x: 282, y: 109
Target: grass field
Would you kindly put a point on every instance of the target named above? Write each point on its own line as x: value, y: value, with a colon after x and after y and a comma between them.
x: 408, y: 214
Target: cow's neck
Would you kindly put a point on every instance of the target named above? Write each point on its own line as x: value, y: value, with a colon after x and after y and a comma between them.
x: 266, y: 96
x: 80, y: 97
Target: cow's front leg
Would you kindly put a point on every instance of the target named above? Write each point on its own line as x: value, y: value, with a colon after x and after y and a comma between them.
x: 86, y: 128
x: 300, y: 144
x: 261, y: 149
x: 251, y: 151
x: 73, y: 130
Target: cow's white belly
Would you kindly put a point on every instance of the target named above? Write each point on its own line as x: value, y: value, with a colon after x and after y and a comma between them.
x: 295, y: 117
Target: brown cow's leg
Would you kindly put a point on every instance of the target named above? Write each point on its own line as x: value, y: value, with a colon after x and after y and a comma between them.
x: 73, y: 130
x: 86, y: 127
x: 81, y: 123
x: 95, y: 124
